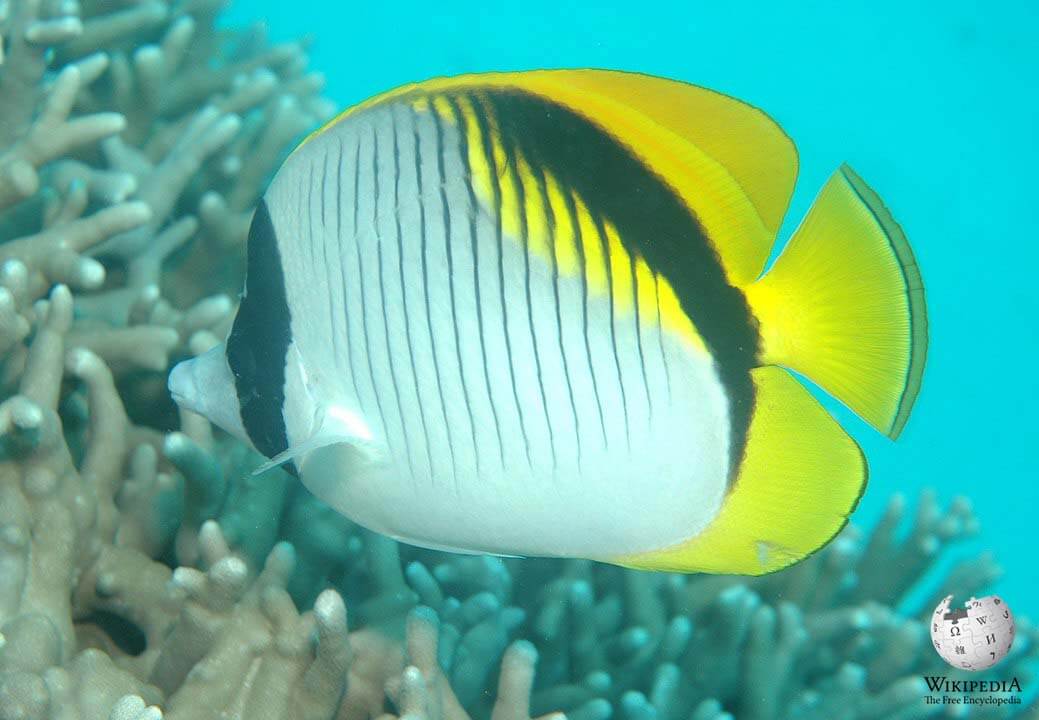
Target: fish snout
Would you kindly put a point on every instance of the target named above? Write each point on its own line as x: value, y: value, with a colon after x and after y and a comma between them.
x: 182, y: 386
x: 205, y: 385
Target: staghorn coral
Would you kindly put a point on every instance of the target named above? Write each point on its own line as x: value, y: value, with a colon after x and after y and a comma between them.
x: 144, y: 566
x: 224, y: 637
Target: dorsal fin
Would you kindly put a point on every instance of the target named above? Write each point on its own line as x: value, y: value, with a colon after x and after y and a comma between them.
x: 730, y: 163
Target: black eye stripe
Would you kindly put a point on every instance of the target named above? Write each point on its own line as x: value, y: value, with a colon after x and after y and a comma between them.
x: 259, y: 340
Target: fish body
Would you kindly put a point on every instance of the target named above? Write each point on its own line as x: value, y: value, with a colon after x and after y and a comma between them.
x: 522, y: 314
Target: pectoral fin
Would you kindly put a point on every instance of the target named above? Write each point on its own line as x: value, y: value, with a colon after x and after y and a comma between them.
x: 336, y: 425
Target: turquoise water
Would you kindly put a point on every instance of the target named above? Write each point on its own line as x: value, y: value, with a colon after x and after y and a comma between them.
x: 935, y: 109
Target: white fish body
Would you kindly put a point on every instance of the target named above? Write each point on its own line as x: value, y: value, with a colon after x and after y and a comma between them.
x: 477, y: 320
x: 478, y: 450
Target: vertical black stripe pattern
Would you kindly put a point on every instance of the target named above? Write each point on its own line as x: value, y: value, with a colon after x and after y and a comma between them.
x: 550, y: 223
x: 660, y: 335
x: 423, y: 242
x: 512, y: 163
x: 483, y: 122
x: 340, y: 259
x: 604, y: 245
x: 571, y: 207
x: 327, y: 267
x: 259, y: 340
x: 638, y: 334
x: 446, y: 210
x: 474, y: 244
x: 357, y: 183
x: 381, y: 277
x: 308, y: 241
x: 404, y: 291
x: 361, y: 286
x: 324, y: 185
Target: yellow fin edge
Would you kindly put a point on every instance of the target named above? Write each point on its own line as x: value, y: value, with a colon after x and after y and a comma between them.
x: 800, y: 479
x: 729, y: 162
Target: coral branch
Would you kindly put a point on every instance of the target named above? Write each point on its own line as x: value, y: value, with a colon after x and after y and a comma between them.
x: 146, y: 572
x: 51, y: 135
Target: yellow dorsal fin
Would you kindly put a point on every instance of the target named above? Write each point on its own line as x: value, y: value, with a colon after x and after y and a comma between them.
x: 730, y: 163
x: 800, y: 479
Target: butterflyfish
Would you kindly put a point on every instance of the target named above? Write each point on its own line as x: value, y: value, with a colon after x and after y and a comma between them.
x: 529, y: 314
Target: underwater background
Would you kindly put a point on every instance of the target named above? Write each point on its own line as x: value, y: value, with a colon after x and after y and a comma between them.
x: 145, y: 573
x: 931, y: 104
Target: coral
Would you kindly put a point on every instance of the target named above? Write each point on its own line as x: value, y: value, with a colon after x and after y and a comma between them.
x: 146, y: 572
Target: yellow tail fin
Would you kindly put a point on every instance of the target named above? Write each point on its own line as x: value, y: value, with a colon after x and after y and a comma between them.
x: 844, y: 305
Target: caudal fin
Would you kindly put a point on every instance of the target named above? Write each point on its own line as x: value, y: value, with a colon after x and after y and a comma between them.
x: 844, y: 305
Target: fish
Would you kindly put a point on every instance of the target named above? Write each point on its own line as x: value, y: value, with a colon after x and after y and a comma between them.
x: 533, y: 314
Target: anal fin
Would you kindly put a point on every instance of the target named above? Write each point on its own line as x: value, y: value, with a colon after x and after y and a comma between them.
x: 800, y: 478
